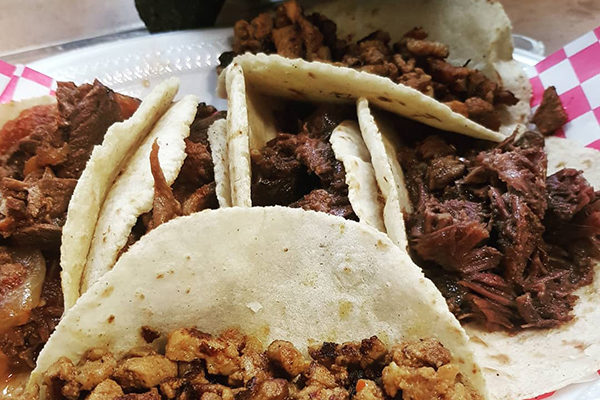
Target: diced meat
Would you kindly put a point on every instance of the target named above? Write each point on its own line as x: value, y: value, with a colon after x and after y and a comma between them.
x: 106, y: 390
x: 550, y: 115
x: 270, y: 389
x: 285, y: 355
x: 149, y: 395
x: 568, y: 193
x: 97, y: 366
x: 367, y: 389
x: 288, y: 41
x: 426, y: 48
x: 483, y: 113
x: 144, y: 372
x: 221, y: 357
x: 361, y: 370
x: 425, y: 383
x: 424, y: 353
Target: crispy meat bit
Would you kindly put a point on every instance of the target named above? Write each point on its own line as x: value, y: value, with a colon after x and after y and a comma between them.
x: 98, y: 365
x: 165, y: 206
x: 285, y: 355
x: 425, y: 383
x: 60, y: 380
x: 149, y: 395
x: 367, y: 389
x: 550, y: 115
x: 424, y: 353
x: 144, y: 372
x: 106, y: 390
x: 221, y: 356
x: 318, y: 392
x: 483, y: 112
x: 270, y: 389
x: 426, y: 48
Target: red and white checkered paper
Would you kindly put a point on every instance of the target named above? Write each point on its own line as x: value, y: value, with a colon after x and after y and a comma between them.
x: 574, y: 70
x: 18, y: 82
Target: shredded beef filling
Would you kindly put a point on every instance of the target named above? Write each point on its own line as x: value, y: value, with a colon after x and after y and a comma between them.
x: 505, y: 244
x: 197, y: 365
x: 298, y: 168
x: 194, y: 189
x: 413, y: 61
x: 42, y: 154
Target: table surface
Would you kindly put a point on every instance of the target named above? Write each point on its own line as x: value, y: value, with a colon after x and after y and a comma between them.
x: 27, y: 24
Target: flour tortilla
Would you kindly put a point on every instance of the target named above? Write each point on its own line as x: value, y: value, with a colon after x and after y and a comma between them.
x: 475, y: 30
x: 106, y: 161
x: 251, y: 124
x: 132, y: 194
x: 381, y: 140
x: 531, y: 362
x: 217, y: 137
x: 325, y: 279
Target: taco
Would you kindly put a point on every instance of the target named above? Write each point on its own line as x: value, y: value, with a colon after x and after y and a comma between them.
x: 445, y: 64
x: 325, y: 280
x: 508, y: 233
x: 298, y: 155
x: 173, y: 172
x: 51, y: 183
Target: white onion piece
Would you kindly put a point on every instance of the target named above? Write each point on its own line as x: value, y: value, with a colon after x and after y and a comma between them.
x: 16, y: 305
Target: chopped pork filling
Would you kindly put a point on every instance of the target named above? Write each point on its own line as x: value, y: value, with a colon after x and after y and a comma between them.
x: 504, y: 243
x: 42, y: 154
x: 197, y: 365
x: 298, y: 167
x: 413, y: 61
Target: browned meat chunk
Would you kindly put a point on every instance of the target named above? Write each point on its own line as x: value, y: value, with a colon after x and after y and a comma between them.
x: 165, y: 206
x: 550, y: 115
x: 285, y: 355
x: 106, y: 390
x: 144, y: 372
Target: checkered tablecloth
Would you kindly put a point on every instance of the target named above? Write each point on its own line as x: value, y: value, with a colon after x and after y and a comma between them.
x: 575, y: 72
x: 19, y: 82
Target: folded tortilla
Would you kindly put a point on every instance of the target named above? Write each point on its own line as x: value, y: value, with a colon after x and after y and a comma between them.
x: 106, y: 161
x: 326, y: 279
x: 474, y: 30
x: 530, y: 362
x: 251, y: 124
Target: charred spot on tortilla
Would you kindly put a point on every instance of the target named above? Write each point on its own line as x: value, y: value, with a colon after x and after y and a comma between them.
x: 195, y: 364
x: 413, y: 61
x: 43, y: 152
